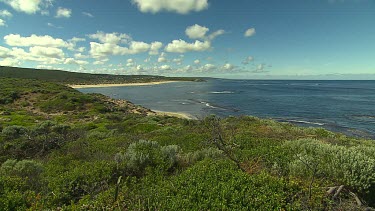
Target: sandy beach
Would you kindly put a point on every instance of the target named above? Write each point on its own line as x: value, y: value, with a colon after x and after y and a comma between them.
x: 174, y: 114
x: 116, y: 85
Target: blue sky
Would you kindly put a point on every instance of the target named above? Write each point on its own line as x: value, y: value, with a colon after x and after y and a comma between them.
x: 219, y: 38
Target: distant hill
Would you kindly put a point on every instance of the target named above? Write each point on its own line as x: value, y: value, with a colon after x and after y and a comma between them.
x: 66, y: 77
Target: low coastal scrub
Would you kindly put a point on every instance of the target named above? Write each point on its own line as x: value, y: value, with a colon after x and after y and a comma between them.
x: 67, y: 150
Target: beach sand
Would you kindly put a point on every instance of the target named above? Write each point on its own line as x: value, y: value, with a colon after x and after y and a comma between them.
x: 116, y: 85
x: 174, y: 114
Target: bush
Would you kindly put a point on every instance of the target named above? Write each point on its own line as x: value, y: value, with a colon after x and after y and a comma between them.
x: 143, y: 154
x: 87, y: 178
x: 14, y: 132
x: 350, y: 166
x: 193, y: 157
x: 29, y: 170
x: 209, y: 185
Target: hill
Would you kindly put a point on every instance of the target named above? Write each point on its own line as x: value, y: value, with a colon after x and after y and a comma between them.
x: 62, y: 149
x: 65, y: 77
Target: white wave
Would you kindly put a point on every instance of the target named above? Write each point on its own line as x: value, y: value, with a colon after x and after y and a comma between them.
x: 306, y: 122
x: 222, y: 92
x: 208, y: 104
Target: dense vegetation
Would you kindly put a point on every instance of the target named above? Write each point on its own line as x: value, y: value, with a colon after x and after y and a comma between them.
x: 61, y: 149
x: 65, y: 77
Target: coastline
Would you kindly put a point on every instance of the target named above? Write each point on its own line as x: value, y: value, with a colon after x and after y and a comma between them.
x: 174, y: 114
x: 118, y: 85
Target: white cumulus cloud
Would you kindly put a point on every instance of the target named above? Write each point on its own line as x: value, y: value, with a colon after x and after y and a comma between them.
x: 2, y: 22
x: 177, y: 6
x: 200, y: 32
x: 249, y: 32
x: 181, y: 46
x: 100, y: 50
x: 50, y: 52
x: 196, y: 31
x: 10, y: 62
x: 154, y: 49
x: 4, y: 52
x: 162, y: 58
x: 5, y: 14
x: 112, y: 38
x: 28, y: 6
x: 248, y: 60
x: 75, y: 61
x: 63, y: 13
x: 35, y: 40
x: 228, y: 67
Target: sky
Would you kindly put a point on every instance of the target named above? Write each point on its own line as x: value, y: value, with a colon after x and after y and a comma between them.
x: 218, y: 38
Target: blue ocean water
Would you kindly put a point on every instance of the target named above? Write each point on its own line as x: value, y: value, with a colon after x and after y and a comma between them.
x: 341, y: 106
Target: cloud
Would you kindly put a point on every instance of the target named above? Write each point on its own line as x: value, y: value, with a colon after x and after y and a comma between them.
x: 2, y: 22
x: 81, y: 49
x: 162, y: 58
x: 63, y: 13
x: 130, y: 62
x: 87, y: 14
x: 247, y: 60
x: 177, y: 6
x: 5, y: 14
x: 100, y: 62
x: 99, y: 50
x: 50, y: 52
x: 34, y: 40
x: 179, y: 60
x: 28, y: 6
x: 154, y: 49
x: 196, y: 31
x: 250, y: 32
x: 80, y: 56
x: 77, y: 39
x: 4, y: 52
x: 181, y: 46
x: 10, y: 62
x: 260, y: 68
x: 111, y: 38
x: 208, y: 67
x: 53, y: 26
x: 75, y: 62
x: 197, y: 61
x: 40, y: 54
x: 200, y: 32
x: 165, y: 67
x: 228, y: 67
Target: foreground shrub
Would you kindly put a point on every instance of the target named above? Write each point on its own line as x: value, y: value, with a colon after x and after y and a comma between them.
x: 82, y: 179
x: 143, y: 154
x: 208, y: 185
x: 28, y: 170
x: 350, y: 166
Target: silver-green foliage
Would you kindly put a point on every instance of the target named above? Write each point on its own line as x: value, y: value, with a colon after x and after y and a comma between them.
x: 144, y: 153
x: 199, y: 155
x: 351, y: 166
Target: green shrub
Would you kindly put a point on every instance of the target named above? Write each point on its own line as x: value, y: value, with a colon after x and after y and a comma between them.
x: 14, y: 132
x: 193, y: 157
x: 350, y: 166
x: 143, y: 154
x: 209, y: 185
x: 87, y: 178
x: 29, y: 170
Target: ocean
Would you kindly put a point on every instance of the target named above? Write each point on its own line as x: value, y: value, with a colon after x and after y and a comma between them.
x: 341, y: 106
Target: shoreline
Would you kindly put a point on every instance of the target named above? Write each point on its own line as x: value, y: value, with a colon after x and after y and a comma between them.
x: 181, y: 115
x: 74, y: 86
